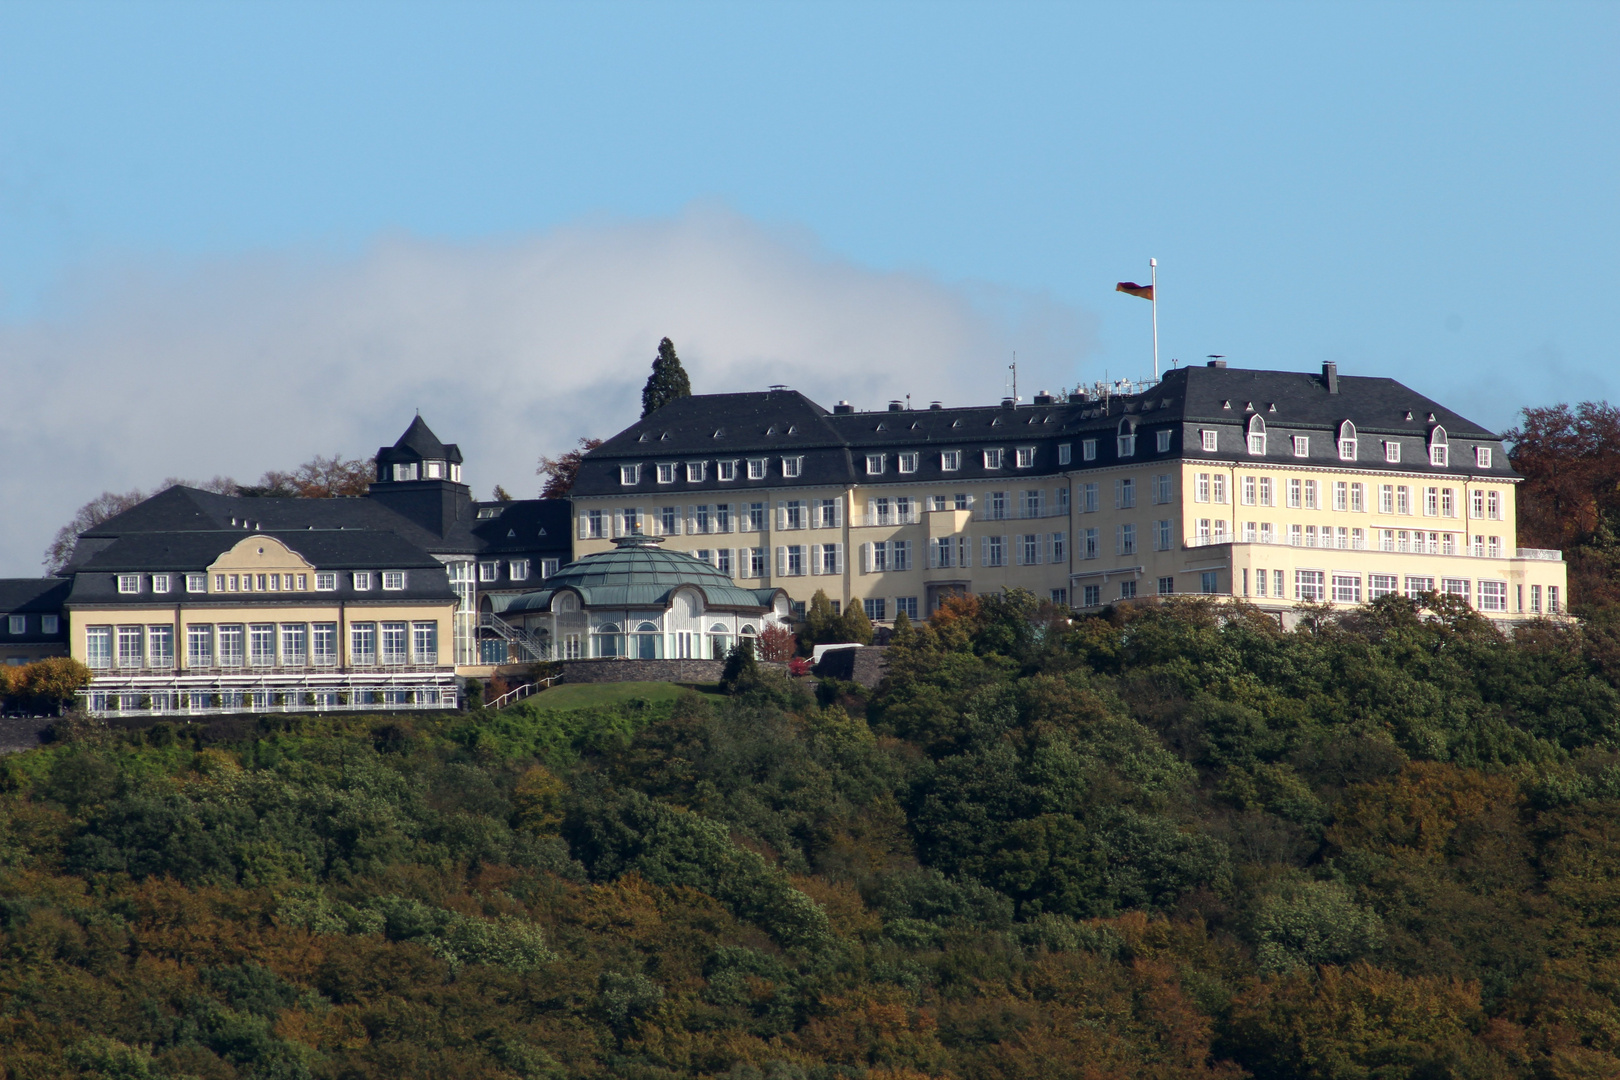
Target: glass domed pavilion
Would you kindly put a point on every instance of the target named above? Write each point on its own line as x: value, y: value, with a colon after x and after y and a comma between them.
x: 641, y: 602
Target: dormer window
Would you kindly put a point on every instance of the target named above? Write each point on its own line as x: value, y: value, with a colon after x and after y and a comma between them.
x: 1126, y: 439
x: 1088, y: 449
x: 629, y: 475
x: 1482, y: 457
x: 666, y: 472
x: 1302, y: 446
x: 1024, y: 457
x: 1392, y: 452
x: 992, y: 459
x: 362, y: 581
x: 455, y: 473
x: 792, y: 466
x: 907, y: 462
x: 433, y: 470
x: 129, y: 583
x: 160, y: 583
x: 1208, y: 439
x: 1257, y: 436
x: 725, y: 470
x: 1439, y: 448
x: 403, y: 471
x: 697, y: 472
x: 950, y: 460
x: 756, y: 468
x: 393, y: 580
x: 1347, y: 441
x: 874, y: 464
x: 486, y: 512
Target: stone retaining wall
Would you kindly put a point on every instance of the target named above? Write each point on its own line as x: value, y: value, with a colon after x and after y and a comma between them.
x: 676, y: 671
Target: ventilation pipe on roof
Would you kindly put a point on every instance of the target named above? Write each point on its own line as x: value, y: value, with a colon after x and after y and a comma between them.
x: 1007, y: 403
x: 1330, y: 376
x: 843, y: 407
x: 936, y: 405
x: 1217, y: 363
x: 1078, y: 396
x: 896, y: 406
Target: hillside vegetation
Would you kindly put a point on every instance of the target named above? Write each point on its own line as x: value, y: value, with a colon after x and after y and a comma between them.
x: 1170, y: 842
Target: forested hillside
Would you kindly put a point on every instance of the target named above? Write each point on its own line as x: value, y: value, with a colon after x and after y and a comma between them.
x: 1171, y: 842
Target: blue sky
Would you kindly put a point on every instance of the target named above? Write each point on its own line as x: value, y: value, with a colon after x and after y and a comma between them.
x: 1420, y: 190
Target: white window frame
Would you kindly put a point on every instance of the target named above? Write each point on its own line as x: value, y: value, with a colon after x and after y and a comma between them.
x: 697, y: 472
x: 666, y: 472
x: 162, y: 583
x: 793, y: 467
x: 1209, y: 440
x: 1065, y: 453
x: 1024, y: 457
x: 1302, y: 446
x: 629, y: 475
x: 1088, y: 449
x: 489, y: 570
x: 993, y: 458
x: 362, y: 581
x: 326, y: 581
x: 1125, y: 445
x: 907, y: 462
x: 129, y: 584
x: 757, y: 467
x: 1482, y: 457
x: 197, y: 583
x: 1392, y: 452
x: 874, y: 464
x: 725, y: 471
x: 950, y: 460
x: 518, y: 569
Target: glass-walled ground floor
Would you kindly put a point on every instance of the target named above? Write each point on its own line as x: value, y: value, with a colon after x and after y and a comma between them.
x: 202, y: 695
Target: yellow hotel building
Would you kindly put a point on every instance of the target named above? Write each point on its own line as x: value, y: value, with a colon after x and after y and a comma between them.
x: 1280, y: 487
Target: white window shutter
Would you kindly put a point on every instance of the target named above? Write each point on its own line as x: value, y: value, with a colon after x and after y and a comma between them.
x: 584, y: 524
x: 815, y: 558
x: 781, y: 515
x: 641, y: 516
x: 838, y: 558
x: 838, y: 514
x: 984, y: 551
x: 618, y: 523
x: 781, y: 561
x: 866, y: 558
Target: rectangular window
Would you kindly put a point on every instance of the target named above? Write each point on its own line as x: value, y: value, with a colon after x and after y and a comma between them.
x: 1060, y: 547
x: 1392, y: 452
x: 231, y: 642
x: 876, y: 609
x: 725, y: 470
x: 725, y: 562
x: 756, y: 562
x: 1295, y: 497
x: 629, y: 475
x: 899, y: 555
x: 1167, y: 586
x: 756, y: 468
x: 1403, y: 499
x: 1309, y: 585
x: 722, y: 517
x: 1209, y: 582
x: 1124, y: 493
x: 1482, y: 457
x: 795, y: 560
x: 1065, y: 453
x: 995, y: 551
x: 1088, y: 449
x: 160, y: 646
x: 1265, y: 492
x: 793, y: 514
x: 489, y: 571
x: 325, y: 581
x: 666, y: 472
x: 1493, y: 596
x: 595, y: 522
x: 906, y: 605
x: 1535, y: 598
x: 199, y: 645
x: 1127, y: 448
x: 1431, y: 502
x: 1302, y: 446
x: 363, y: 644
x: 1358, y: 503
x: 425, y: 642
x: 1386, y: 498
x: 940, y: 551
x: 996, y: 508
x: 518, y: 569
x: 1266, y: 534
x: 1347, y: 449
x: 323, y: 644
x: 1161, y: 488
x: 1347, y: 588
x: 1456, y: 587
x: 1060, y: 597
x: 1028, y: 549
x: 160, y: 583
x: 1218, y: 488
x: 701, y: 524
x: 1127, y: 590
x: 697, y: 472
x: 1024, y: 457
x: 792, y: 466
x: 49, y: 624
x: 1448, y: 502
x: 950, y: 460
x: 905, y: 511
x: 1088, y: 498
x: 1091, y: 595
x: 393, y: 580
x: 130, y: 649
x: 393, y: 643
x: 907, y: 462
x: 1310, y: 495
x: 1161, y: 536
x: 1296, y: 535
x: 1090, y: 542
x: 262, y: 644
x: 1127, y: 539
x: 16, y: 624
x: 831, y: 561
x: 1201, y: 487
x: 874, y: 464
x: 992, y: 459
x: 1257, y: 444
x: 1248, y: 490
x: 549, y: 567
x: 1382, y: 585
x: 98, y: 646
x: 294, y: 644
x: 1341, y: 495
x: 1259, y: 583
x: 1439, y: 455
x: 129, y: 583
x: 1209, y: 438
x: 1493, y: 505
x: 1162, y: 440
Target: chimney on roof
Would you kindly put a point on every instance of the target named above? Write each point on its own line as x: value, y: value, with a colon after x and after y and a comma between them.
x: 1043, y: 398
x: 843, y: 407
x: 1007, y: 403
x: 1217, y: 363
x: 895, y: 406
x: 1077, y: 396
x: 936, y: 405
x: 1330, y: 376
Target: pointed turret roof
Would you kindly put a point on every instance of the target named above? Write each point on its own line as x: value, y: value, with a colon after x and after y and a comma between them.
x: 420, y: 441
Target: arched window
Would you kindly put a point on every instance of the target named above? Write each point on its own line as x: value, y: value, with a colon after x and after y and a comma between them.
x: 1439, y: 448
x: 649, y: 641
x: 609, y: 642
x: 1257, y: 436
x: 1347, y: 441
x: 566, y: 602
x: 719, y: 641
x: 1127, y: 437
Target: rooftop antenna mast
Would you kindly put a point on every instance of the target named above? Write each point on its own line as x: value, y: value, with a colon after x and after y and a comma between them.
x: 1150, y: 293
x: 1013, y: 367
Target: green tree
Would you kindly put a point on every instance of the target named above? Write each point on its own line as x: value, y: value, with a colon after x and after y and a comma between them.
x: 853, y: 625
x: 667, y: 382
x: 821, y: 624
x: 904, y: 633
x: 741, y: 667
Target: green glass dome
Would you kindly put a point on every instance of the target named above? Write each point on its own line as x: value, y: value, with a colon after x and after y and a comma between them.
x: 637, y: 573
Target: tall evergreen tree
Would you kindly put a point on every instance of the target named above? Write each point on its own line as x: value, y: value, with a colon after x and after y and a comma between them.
x: 667, y: 382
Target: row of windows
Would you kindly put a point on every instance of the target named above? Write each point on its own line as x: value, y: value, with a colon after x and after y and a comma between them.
x: 429, y: 470
x: 17, y: 625
x: 697, y: 472
x: 905, y: 463
x: 1092, y: 595
x: 261, y: 645
x: 516, y: 569
x: 1344, y: 587
x: 161, y: 701
x: 1347, y: 445
x: 325, y: 581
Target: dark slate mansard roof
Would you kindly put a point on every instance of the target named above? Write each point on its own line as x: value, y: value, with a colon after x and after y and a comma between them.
x: 33, y: 597
x: 781, y: 423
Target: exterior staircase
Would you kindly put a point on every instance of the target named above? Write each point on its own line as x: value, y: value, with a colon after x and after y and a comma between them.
x: 527, y: 644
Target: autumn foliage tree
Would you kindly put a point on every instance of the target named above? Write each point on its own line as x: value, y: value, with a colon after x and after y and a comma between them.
x: 561, y: 472
x: 1570, y: 459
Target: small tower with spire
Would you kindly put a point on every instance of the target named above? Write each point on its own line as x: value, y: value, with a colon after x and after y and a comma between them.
x: 419, y: 478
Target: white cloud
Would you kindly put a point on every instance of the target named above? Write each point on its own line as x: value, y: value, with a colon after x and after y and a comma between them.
x: 235, y: 366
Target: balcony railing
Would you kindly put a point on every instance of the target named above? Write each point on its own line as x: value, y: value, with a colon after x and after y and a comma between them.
x: 1019, y: 513
x: 1542, y: 554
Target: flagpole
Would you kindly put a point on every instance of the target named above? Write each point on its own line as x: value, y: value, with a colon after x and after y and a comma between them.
x: 1153, y: 265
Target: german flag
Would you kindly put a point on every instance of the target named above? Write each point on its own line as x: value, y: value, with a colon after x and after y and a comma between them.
x: 1144, y: 291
